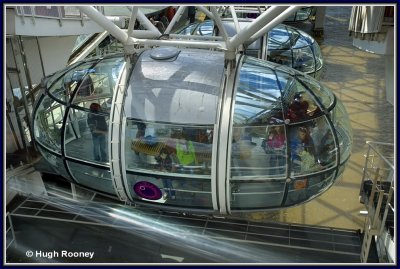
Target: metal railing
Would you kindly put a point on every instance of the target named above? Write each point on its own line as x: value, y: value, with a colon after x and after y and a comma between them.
x: 10, y: 235
x: 52, y: 12
x: 379, y: 175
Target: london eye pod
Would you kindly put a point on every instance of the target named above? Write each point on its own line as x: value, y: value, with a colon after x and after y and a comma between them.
x: 283, y: 44
x: 185, y: 131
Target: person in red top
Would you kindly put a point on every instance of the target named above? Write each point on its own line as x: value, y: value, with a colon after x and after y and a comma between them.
x: 297, y: 110
x: 170, y: 13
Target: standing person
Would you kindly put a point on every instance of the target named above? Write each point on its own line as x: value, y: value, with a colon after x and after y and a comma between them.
x: 164, y: 164
x: 191, y: 14
x: 276, y: 145
x: 98, y: 127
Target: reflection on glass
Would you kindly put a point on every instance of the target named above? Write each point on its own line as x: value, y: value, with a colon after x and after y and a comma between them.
x: 88, y: 134
x: 301, y: 106
x: 324, y: 95
x: 48, y: 123
x: 323, y: 138
x: 92, y: 177
x: 65, y: 86
x: 303, y: 60
x: 97, y: 82
x: 294, y: 48
x: 301, y: 14
x: 302, y: 150
x: 343, y: 129
x: 286, y: 45
x: 258, y: 96
x: 251, y: 195
x: 275, y: 147
x: 301, y: 147
x: 168, y: 148
x: 258, y: 151
x: 188, y: 30
x: 56, y: 162
x: 280, y: 56
x: 305, y: 188
x: 205, y: 29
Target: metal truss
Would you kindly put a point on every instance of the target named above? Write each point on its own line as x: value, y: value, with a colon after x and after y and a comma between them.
x: 268, y: 18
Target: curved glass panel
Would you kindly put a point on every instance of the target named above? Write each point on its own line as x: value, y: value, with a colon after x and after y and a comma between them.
x: 279, y: 38
x: 343, y: 129
x: 188, y: 30
x: 205, y: 29
x: 318, y: 56
x: 92, y: 177
x: 301, y: 14
x: 283, y: 57
x: 258, y: 151
x: 303, y: 60
x: 302, y: 150
x: 324, y: 142
x: 258, y: 94
x: 88, y: 135
x: 324, y: 95
x: 98, y: 82
x: 300, y: 38
x: 256, y: 195
x: 56, y: 162
x: 308, y: 156
x: 286, y: 148
x: 286, y: 45
x: 179, y: 90
x: 271, y: 152
x: 292, y: 47
x: 175, y: 158
x: 306, y: 188
x: 285, y: 81
x: 67, y: 84
x: 48, y: 123
x: 168, y: 148
x: 299, y: 103
x: 341, y: 169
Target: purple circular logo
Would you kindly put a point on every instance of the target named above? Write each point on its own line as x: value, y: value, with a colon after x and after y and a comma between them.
x: 147, y: 190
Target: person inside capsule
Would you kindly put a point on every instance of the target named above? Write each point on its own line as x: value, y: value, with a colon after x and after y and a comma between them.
x: 185, y: 153
x: 98, y: 128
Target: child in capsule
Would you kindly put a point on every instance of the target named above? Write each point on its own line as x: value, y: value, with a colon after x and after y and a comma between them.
x: 164, y: 164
